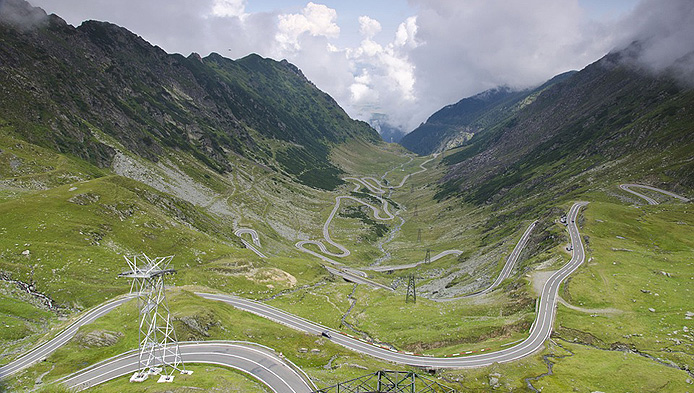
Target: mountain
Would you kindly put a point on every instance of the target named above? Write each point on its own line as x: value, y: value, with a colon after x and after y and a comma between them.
x: 388, y: 132
x: 613, y: 121
x: 454, y: 124
x: 109, y: 146
x: 60, y: 83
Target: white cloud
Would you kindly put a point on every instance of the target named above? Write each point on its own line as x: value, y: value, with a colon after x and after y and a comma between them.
x: 361, y: 92
x: 407, y: 30
x: 665, y: 35
x: 364, y: 78
x: 229, y: 8
x: 369, y: 27
x: 315, y: 19
x: 460, y: 48
x: 369, y: 48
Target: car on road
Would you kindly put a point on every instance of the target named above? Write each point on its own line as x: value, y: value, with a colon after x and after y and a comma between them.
x: 326, y: 334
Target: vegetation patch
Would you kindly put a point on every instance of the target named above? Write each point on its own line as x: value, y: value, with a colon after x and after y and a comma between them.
x: 377, y: 228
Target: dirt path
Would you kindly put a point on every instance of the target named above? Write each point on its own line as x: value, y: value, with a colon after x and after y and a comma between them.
x: 590, y: 310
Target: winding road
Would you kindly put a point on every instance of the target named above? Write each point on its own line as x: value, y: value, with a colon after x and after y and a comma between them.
x: 254, y: 359
x: 254, y: 238
x: 539, y: 332
x: 277, y: 372
x: 378, y: 189
x: 261, y: 362
x: 627, y: 187
x: 41, y: 352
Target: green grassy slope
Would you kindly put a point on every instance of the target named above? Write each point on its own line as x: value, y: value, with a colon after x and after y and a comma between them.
x: 61, y: 82
x: 607, y: 123
x: 77, y: 220
x: 455, y: 124
x: 215, y: 262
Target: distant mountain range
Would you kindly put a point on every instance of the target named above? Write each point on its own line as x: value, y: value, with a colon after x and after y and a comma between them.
x: 60, y: 82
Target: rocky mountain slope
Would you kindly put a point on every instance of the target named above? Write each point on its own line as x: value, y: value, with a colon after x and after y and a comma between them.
x: 455, y: 124
x: 109, y: 146
x: 612, y: 121
x: 60, y: 83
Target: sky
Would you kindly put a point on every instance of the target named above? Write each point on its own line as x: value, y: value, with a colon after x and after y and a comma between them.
x: 401, y: 60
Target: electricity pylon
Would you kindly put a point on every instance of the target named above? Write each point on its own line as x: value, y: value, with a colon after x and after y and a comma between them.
x: 411, y: 295
x: 159, y: 352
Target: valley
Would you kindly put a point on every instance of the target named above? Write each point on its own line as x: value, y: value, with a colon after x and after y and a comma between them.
x: 546, y: 232
x: 375, y: 329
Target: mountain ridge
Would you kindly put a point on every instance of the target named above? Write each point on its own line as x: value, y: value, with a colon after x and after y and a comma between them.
x: 111, y: 79
x: 611, y: 112
x: 454, y: 124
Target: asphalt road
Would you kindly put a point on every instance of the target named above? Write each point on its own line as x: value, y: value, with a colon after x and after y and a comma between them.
x: 359, y: 277
x: 41, y: 352
x: 511, y: 260
x: 254, y: 238
x: 651, y: 201
x: 355, y: 277
x: 508, y: 266
x: 539, y: 332
x: 260, y: 362
x: 378, y: 189
x: 277, y: 373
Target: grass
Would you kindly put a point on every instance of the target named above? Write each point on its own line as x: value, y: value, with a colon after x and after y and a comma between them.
x: 223, y: 322
x: 76, y: 248
x: 75, y: 243
x: 364, y: 159
x: 569, y: 372
x: 640, y: 265
x: 426, y: 326
x: 587, y: 367
x: 20, y: 318
x: 576, y: 368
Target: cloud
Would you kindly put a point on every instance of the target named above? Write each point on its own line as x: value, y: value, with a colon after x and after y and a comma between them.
x: 315, y: 19
x: 369, y: 27
x: 665, y: 33
x: 469, y: 46
x: 405, y: 35
x: 16, y: 14
x: 229, y: 8
x: 361, y: 91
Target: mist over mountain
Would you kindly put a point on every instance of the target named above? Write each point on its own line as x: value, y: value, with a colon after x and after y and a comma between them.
x: 455, y: 124
x: 388, y: 132
x: 517, y: 248
x: 656, y: 37
x: 611, y: 120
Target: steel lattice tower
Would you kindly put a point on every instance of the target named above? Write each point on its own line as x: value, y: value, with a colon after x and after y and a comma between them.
x: 159, y: 352
x: 411, y: 295
x: 388, y: 381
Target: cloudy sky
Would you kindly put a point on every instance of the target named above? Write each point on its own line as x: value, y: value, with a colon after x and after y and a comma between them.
x: 403, y: 59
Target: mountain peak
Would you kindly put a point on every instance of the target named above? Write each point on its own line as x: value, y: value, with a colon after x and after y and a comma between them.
x: 102, y: 76
x: 20, y: 14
